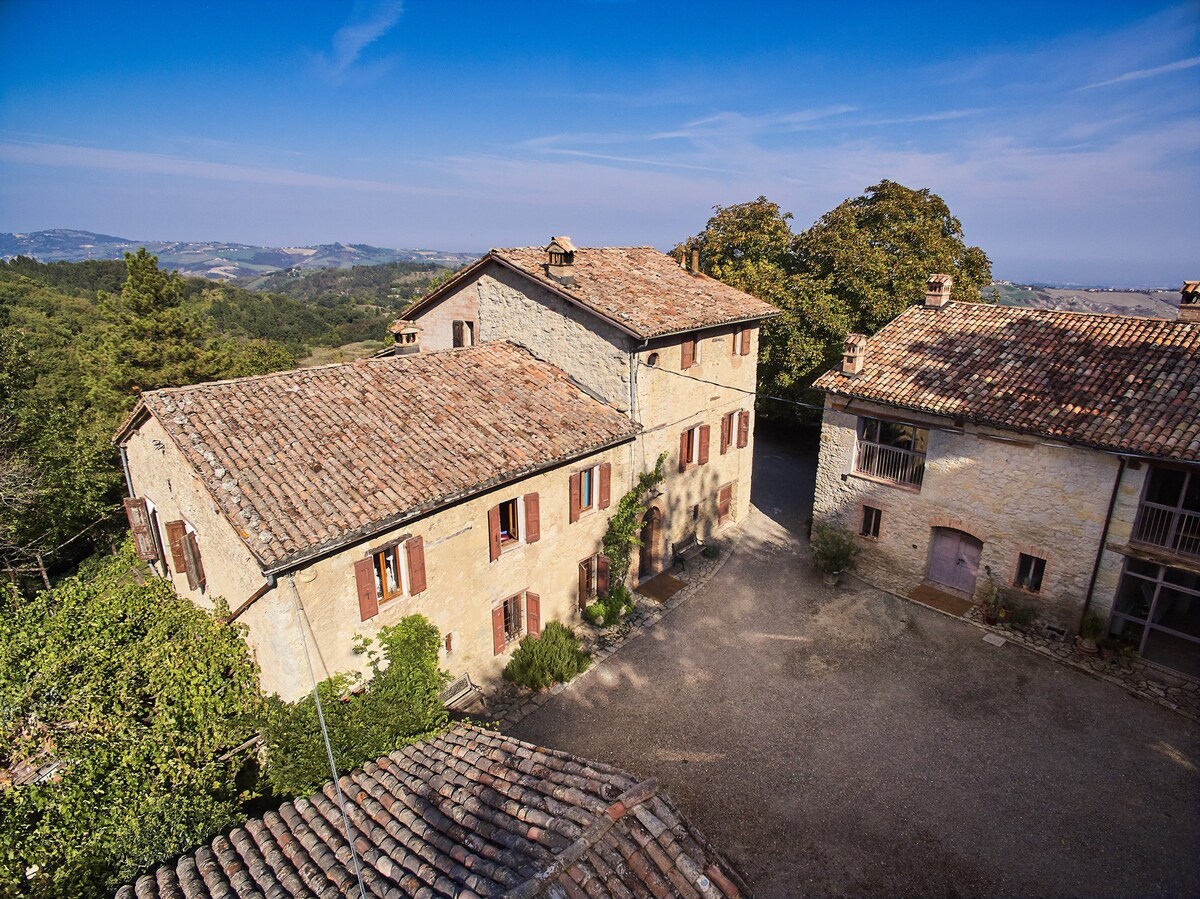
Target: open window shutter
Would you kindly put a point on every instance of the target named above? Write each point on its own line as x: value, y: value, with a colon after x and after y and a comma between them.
x: 368, y: 598
x: 457, y: 329
x: 139, y: 522
x: 533, y: 523
x: 687, y: 351
x: 533, y: 614
x: 573, y: 500
x: 705, y: 431
x: 724, y: 500
x: 684, y: 438
x: 414, y: 550
x: 605, y: 485
x: 602, y: 568
x: 745, y: 342
x: 724, y: 433
x: 584, y: 579
x: 195, y: 568
x: 498, y: 630
x: 743, y: 428
x: 175, y: 534
x: 494, y: 531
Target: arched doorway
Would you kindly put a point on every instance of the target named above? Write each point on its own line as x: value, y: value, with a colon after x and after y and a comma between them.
x: 650, y: 537
x: 954, y: 560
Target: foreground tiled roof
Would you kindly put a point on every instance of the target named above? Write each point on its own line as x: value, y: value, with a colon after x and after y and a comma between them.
x: 309, y: 460
x: 1111, y: 382
x: 470, y: 813
x: 639, y: 289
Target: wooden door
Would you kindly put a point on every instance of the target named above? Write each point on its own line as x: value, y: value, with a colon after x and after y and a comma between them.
x: 649, y: 539
x: 954, y: 559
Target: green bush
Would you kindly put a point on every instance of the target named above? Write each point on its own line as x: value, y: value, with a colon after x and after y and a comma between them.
x: 610, y: 608
x: 554, y: 657
x: 833, y: 549
x: 397, y: 706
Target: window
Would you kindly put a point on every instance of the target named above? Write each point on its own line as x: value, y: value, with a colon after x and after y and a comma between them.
x: 390, y: 572
x: 735, y: 423
x: 871, y: 518
x: 689, y: 353
x: 693, y: 447
x: 463, y: 332
x: 1169, y: 513
x: 593, y: 579
x: 185, y: 553
x: 1030, y: 570
x: 143, y: 521
x: 587, y: 484
x: 513, y: 522
x: 513, y: 617
x: 725, y: 504
x: 741, y: 341
x: 891, y: 451
x: 728, y: 423
x: 590, y: 489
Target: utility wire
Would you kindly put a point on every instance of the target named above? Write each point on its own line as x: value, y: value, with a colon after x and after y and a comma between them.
x: 754, y: 393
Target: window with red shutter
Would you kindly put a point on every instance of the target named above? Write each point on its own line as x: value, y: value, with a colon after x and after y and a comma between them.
x: 726, y: 431
x: 414, y: 551
x: 687, y: 354
x: 498, y: 639
x: 368, y: 598
x: 602, y: 574
x: 685, y: 449
x: 724, y: 503
x: 533, y: 614
x: 605, y: 485
x: 146, y: 542
x: 745, y: 341
x: 193, y: 564
x: 574, y: 505
x: 176, y: 531
x: 702, y: 455
x: 743, y: 438
x: 533, y: 519
x: 494, y: 543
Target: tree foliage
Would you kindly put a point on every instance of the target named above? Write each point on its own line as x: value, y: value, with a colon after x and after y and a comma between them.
x: 624, y: 527
x: 135, y: 694
x: 397, y: 706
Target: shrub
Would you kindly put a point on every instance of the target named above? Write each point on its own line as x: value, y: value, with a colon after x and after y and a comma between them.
x: 610, y: 608
x: 833, y: 549
x: 554, y: 657
x: 1093, y: 626
x: 397, y: 706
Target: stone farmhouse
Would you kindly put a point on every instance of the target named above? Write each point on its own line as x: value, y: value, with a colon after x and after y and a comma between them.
x: 468, y: 475
x: 1056, y: 453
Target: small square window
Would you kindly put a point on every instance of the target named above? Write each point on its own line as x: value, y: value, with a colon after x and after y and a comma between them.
x: 871, y: 519
x: 1030, y: 571
x: 512, y: 618
x: 390, y: 573
x: 510, y: 523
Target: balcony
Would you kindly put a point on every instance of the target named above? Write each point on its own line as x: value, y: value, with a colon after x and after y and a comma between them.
x: 890, y: 463
x: 1168, y: 527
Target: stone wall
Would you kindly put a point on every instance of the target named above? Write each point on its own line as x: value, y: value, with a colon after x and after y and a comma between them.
x: 437, y: 328
x: 1015, y: 494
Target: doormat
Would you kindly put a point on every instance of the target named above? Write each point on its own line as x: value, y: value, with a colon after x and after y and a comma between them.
x: 943, y: 602
x: 661, y: 587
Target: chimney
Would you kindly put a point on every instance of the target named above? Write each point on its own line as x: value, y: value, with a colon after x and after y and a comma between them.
x: 937, y: 291
x: 1189, y: 302
x: 560, y: 260
x: 855, y: 354
x: 408, y: 337
x: 695, y: 261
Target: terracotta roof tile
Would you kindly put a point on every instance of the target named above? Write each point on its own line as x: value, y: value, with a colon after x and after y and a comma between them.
x: 1111, y: 382
x: 310, y: 460
x: 451, y: 817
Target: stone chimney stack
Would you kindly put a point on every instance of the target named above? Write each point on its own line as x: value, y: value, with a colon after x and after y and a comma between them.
x: 1189, y: 302
x: 695, y: 261
x: 560, y: 260
x: 937, y: 291
x: 855, y: 354
x: 408, y: 337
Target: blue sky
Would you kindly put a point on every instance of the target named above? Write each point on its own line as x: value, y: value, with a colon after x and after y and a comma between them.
x: 1065, y: 136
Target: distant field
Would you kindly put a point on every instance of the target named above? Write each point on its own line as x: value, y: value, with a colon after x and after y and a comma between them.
x: 324, y: 355
x: 1147, y: 304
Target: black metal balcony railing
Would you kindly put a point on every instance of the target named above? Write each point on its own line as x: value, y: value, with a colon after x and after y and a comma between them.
x: 890, y: 463
x: 1168, y: 527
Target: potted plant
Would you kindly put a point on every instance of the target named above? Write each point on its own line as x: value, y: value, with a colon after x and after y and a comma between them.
x: 992, y: 605
x: 834, y: 550
x: 1092, y: 629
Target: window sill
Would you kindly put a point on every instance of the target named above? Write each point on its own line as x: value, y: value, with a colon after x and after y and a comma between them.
x: 908, y: 488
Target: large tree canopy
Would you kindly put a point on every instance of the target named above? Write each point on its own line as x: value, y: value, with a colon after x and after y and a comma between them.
x: 856, y: 269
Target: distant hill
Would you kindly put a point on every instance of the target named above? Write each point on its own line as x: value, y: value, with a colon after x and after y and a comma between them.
x: 389, y: 284
x: 214, y: 260
x: 1148, y: 303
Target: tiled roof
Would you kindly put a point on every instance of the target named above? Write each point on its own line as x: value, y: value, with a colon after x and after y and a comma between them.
x: 469, y: 813
x: 309, y: 460
x: 1111, y: 382
x: 640, y: 289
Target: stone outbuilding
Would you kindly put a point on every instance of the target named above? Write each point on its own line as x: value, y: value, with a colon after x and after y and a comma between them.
x: 1054, y: 454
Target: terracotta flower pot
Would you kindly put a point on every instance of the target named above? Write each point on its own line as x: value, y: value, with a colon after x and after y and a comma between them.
x: 831, y: 578
x: 1086, y: 646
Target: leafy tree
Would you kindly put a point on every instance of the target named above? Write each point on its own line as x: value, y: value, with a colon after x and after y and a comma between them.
x: 397, y: 706
x: 127, y: 696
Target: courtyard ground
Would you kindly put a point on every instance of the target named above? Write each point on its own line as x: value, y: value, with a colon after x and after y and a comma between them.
x: 845, y: 742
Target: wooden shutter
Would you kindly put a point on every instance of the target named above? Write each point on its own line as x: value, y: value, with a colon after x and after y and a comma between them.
x: 585, y: 579
x: 176, y: 531
x: 684, y: 440
x: 724, y: 500
x: 725, y: 429
x: 533, y: 523
x: 605, y: 485
x: 602, y: 569
x: 414, y: 551
x: 498, y: 629
x: 195, y: 568
x: 687, y: 351
x: 533, y: 614
x: 574, y: 487
x: 745, y: 348
x: 138, y: 514
x: 705, y: 430
x: 494, y: 532
x: 456, y: 328
x: 743, y: 428
x: 368, y: 597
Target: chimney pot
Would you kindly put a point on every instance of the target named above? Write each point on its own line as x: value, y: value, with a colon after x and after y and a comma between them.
x: 855, y: 354
x: 695, y: 261
x: 937, y: 291
x: 408, y: 337
x: 560, y: 260
x: 1189, y: 302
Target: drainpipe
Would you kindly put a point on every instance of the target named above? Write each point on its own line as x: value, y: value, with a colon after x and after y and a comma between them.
x: 1112, y: 502
x: 125, y: 468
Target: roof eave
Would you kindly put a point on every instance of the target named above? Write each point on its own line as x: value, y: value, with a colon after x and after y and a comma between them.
x: 135, y: 419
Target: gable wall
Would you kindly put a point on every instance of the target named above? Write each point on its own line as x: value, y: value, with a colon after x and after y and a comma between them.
x: 437, y: 323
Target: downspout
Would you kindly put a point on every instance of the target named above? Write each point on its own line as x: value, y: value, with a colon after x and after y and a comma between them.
x: 1112, y: 502
x: 125, y: 468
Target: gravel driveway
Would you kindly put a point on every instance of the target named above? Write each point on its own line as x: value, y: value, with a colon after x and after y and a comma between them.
x: 843, y: 742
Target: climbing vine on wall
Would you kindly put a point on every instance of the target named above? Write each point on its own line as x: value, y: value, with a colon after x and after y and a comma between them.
x: 623, y: 534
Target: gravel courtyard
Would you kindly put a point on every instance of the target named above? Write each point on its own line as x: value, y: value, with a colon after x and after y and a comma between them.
x: 843, y: 742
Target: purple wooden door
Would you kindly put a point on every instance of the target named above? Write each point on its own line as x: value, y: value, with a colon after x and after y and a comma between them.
x: 954, y: 560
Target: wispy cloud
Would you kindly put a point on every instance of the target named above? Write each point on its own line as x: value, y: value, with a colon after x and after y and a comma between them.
x: 723, y: 124
x: 1139, y: 74
x: 637, y: 160
x: 367, y: 24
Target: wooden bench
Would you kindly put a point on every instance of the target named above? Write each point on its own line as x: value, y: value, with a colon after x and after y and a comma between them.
x: 687, y: 549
